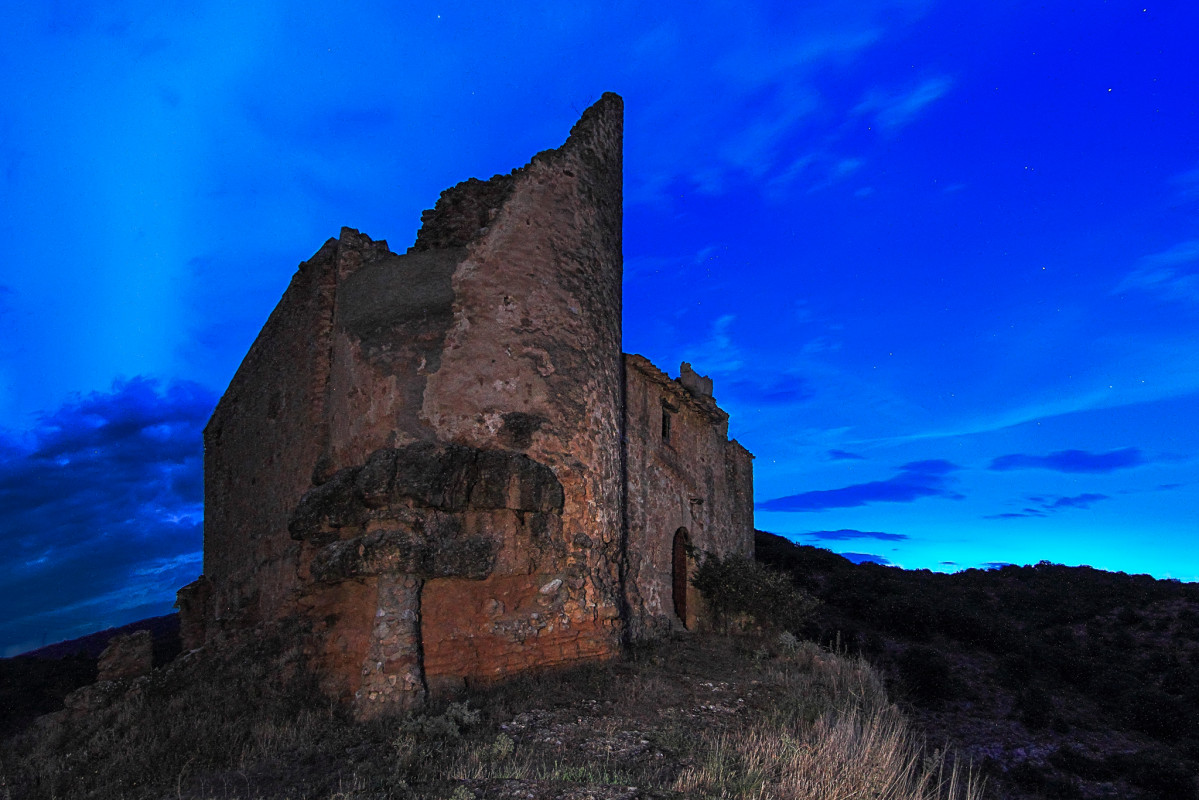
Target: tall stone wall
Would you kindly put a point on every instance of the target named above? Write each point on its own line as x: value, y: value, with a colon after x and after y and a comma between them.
x: 441, y: 462
x: 685, y: 479
x: 260, y: 448
x: 381, y: 461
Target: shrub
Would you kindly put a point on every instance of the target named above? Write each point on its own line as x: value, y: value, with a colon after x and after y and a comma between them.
x: 787, y: 643
x: 735, y: 586
x: 926, y: 674
x: 1152, y: 711
x: 1156, y: 771
x: 1034, y: 708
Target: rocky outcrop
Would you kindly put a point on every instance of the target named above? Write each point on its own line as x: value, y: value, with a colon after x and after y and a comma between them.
x: 128, y: 656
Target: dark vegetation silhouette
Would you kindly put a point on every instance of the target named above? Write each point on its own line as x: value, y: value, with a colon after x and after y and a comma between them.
x: 1061, y: 682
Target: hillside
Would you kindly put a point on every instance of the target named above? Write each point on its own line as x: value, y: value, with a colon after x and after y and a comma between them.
x: 1062, y: 682
x: 696, y: 716
x: 1055, y: 682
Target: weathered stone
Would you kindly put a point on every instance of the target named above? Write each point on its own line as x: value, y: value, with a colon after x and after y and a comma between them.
x: 519, y: 427
x: 685, y: 480
x: 373, y: 483
x: 451, y: 478
x: 333, y: 504
x: 194, y: 601
x: 128, y: 656
x: 404, y: 551
x: 462, y: 213
x: 698, y: 385
x: 440, y: 460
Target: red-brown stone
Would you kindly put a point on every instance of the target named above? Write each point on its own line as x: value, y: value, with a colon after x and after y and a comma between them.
x: 441, y: 461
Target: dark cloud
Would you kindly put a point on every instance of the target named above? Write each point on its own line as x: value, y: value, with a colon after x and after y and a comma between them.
x: 1169, y: 487
x: 915, y: 480
x: 1085, y: 500
x: 776, y: 390
x: 1072, y: 461
x: 100, y: 514
x: 932, y: 466
x: 1047, y: 505
x: 865, y: 558
x: 844, y: 455
x: 948, y: 563
x: 846, y: 533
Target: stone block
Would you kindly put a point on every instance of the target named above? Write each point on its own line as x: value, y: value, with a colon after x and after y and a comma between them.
x: 128, y: 656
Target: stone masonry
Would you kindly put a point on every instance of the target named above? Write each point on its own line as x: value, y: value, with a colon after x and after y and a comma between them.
x: 444, y: 465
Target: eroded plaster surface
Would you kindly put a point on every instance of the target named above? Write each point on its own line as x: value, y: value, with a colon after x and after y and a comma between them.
x: 441, y: 461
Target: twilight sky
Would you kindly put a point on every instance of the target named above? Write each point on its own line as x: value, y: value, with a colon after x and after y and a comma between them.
x: 940, y: 258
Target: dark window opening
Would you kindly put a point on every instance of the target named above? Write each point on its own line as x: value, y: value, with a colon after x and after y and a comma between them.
x: 679, y: 573
x: 665, y: 425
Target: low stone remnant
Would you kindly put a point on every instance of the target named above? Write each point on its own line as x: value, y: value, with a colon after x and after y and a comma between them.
x: 443, y: 463
x: 128, y: 656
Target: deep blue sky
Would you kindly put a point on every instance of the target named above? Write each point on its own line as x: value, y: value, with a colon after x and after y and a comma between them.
x: 940, y: 258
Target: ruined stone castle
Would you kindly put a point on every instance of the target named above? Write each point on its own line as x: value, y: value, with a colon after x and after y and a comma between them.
x: 444, y: 465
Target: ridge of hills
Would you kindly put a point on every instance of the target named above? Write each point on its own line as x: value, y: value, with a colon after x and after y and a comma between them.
x: 1060, y: 682
x: 1053, y: 681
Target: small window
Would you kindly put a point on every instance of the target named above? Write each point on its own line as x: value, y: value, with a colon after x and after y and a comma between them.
x: 665, y: 425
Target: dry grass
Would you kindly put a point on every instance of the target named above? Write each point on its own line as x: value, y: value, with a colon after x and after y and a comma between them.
x: 842, y: 756
x: 697, y: 717
x: 833, y: 736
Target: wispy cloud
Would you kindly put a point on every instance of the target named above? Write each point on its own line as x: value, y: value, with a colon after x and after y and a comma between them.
x: 915, y: 480
x: 1043, y: 506
x: 1074, y: 461
x: 1084, y: 500
x: 100, y: 515
x: 755, y: 96
x: 770, y: 390
x: 717, y: 354
x: 844, y: 455
x: 818, y: 169
x: 866, y: 558
x: 894, y: 109
x: 1187, y: 183
x: 669, y: 265
x: 1171, y: 274
x: 846, y: 534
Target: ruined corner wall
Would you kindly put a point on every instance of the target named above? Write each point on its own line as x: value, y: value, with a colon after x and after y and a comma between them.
x: 260, y: 447
x: 378, y: 373
x: 684, y: 475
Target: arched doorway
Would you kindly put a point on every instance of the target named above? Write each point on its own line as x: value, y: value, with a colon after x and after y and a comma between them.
x: 678, y: 567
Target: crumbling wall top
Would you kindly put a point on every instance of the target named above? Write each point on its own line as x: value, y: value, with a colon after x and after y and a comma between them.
x: 698, y: 385
x: 465, y: 211
x: 704, y: 404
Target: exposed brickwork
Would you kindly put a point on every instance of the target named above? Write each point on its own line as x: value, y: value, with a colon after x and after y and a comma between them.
x: 422, y: 455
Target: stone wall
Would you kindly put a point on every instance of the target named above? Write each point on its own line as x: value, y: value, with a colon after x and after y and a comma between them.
x: 260, y: 448
x: 684, y: 478
x: 128, y: 656
x: 496, y: 336
x: 421, y: 455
